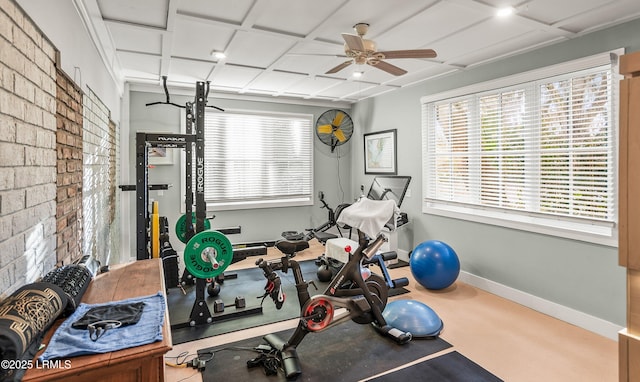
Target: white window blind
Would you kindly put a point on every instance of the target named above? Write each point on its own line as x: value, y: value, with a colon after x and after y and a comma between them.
x: 255, y: 160
x: 537, y: 153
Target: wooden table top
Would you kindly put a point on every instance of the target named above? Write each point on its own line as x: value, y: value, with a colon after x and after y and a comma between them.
x: 140, y: 278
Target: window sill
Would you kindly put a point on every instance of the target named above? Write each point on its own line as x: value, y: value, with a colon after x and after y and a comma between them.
x: 245, y: 205
x: 595, y: 232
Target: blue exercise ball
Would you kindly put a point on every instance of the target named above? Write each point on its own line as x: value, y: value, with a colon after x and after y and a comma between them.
x: 434, y: 264
x: 413, y: 317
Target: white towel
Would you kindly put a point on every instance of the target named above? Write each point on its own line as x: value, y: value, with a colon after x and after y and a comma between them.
x: 369, y: 216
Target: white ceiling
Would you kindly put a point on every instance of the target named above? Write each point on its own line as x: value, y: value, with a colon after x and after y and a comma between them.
x: 282, y: 48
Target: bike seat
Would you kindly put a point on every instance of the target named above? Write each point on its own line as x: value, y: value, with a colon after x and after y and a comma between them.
x: 324, y: 236
x: 290, y: 247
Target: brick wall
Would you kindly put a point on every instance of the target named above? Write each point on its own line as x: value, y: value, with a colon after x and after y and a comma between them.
x: 97, y: 184
x: 27, y: 150
x: 69, y: 168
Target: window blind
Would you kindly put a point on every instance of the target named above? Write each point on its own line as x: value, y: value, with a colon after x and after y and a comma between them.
x: 537, y: 148
x: 258, y: 159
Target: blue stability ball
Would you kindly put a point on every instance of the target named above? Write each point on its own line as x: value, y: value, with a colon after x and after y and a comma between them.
x: 434, y: 264
x: 413, y: 317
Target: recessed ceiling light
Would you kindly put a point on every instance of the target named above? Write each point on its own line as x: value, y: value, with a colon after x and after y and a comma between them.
x: 357, y: 74
x: 218, y: 55
x: 504, y: 12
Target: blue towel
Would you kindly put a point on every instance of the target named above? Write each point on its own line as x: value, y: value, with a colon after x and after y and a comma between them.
x: 69, y: 342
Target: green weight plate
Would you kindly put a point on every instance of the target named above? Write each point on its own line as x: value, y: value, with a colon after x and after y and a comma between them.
x: 208, y: 254
x: 181, y: 226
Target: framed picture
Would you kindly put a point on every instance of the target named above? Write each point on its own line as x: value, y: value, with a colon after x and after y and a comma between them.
x: 160, y: 156
x: 380, y: 153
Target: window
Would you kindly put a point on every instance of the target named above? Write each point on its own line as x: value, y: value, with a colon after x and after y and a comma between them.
x: 258, y: 160
x: 535, y: 154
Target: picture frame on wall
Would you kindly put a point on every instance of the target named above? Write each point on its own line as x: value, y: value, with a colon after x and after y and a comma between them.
x: 380, y: 157
x: 159, y: 156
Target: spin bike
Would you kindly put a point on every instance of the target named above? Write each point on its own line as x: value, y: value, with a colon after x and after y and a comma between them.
x: 363, y: 299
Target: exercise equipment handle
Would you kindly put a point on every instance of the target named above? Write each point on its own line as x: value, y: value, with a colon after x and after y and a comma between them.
x: 372, y: 249
x: 273, y: 288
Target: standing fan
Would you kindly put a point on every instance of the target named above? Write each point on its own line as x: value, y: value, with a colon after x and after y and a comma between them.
x: 334, y: 128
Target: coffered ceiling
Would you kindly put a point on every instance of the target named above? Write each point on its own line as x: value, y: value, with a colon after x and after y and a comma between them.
x: 284, y: 48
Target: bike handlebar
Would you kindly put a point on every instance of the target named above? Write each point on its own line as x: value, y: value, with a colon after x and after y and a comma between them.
x: 273, y: 288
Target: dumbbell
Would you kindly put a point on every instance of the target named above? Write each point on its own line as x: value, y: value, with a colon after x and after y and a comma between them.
x: 240, y: 303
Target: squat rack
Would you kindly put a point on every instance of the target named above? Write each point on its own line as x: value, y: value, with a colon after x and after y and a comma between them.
x: 144, y: 141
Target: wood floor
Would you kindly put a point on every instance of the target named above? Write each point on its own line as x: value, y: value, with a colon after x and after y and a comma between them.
x: 511, y: 341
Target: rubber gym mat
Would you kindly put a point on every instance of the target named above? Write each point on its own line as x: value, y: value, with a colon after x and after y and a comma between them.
x: 250, y: 285
x: 451, y: 367
x: 346, y: 352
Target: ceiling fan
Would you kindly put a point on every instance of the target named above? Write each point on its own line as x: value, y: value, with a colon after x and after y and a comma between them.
x: 363, y: 51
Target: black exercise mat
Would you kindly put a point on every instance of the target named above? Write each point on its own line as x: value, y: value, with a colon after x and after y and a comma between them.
x: 451, y: 367
x: 249, y: 284
x: 346, y: 352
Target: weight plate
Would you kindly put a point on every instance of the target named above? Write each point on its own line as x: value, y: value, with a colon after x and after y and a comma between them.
x: 181, y: 226
x: 208, y: 254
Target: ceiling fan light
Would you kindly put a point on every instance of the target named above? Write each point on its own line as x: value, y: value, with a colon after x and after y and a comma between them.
x: 369, y: 45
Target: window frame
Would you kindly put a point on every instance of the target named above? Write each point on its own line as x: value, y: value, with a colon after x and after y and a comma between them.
x: 583, y: 229
x: 213, y: 205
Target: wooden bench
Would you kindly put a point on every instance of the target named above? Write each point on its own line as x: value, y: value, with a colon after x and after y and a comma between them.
x: 141, y: 363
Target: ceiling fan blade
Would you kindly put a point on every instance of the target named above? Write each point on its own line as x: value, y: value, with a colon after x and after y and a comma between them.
x: 412, y: 53
x: 340, y: 135
x: 337, y: 121
x: 354, y: 42
x: 387, y: 67
x: 340, y: 67
x: 325, y: 129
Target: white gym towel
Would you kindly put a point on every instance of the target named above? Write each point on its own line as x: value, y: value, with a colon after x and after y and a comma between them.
x: 369, y: 216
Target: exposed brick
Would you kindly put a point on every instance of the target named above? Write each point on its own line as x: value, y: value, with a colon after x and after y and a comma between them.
x: 11, y: 154
x: 7, y: 177
x: 5, y: 229
x: 6, y: 77
x: 11, y: 57
x: 32, y: 32
x: 6, y: 27
x: 29, y: 163
x: 45, y: 101
x: 31, y: 176
x: 40, y: 194
x: 46, y: 139
x: 12, y: 11
x: 25, y: 133
x: 7, y: 128
x: 24, y: 88
x: 49, y: 121
x: 33, y: 114
x: 24, y: 44
x: 12, y: 104
x: 11, y: 201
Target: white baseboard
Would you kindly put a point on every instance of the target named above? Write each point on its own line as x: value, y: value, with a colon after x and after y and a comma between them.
x: 572, y: 316
x: 403, y: 255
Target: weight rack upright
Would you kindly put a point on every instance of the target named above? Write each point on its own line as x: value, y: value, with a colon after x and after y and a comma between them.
x: 144, y: 141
